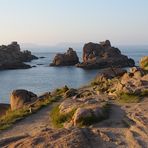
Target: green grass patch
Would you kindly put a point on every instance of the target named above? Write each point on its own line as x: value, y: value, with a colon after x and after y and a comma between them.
x: 129, y: 98
x: 59, y: 119
x: 144, y: 93
x: 61, y: 91
x: 13, y: 116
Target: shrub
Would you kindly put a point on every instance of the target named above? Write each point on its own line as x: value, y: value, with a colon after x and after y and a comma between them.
x: 60, y: 91
x: 128, y: 98
x: 144, y: 93
x: 59, y: 119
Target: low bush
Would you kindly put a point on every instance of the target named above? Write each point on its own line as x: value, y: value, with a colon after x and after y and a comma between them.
x: 59, y: 119
x: 129, y: 98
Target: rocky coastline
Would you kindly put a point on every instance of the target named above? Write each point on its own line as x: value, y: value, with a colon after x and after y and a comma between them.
x: 11, y: 57
x: 106, y: 112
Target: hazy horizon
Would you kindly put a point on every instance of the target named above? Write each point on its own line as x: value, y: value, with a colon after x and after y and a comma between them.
x: 50, y: 23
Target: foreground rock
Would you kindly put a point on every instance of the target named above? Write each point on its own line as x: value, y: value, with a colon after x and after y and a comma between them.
x: 3, y: 109
x: 88, y: 118
x: 63, y: 138
x: 11, y: 57
x: 67, y: 59
x: 103, y: 55
x: 20, y: 98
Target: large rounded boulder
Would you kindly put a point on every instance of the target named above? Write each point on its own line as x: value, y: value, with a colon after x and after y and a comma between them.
x: 20, y: 98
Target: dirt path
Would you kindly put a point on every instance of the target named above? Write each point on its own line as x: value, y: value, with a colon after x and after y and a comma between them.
x: 30, y: 125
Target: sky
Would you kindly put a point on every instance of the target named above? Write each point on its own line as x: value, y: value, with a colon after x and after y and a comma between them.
x: 51, y: 22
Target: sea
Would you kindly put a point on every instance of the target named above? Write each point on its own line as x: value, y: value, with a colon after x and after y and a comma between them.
x: 42, y: 78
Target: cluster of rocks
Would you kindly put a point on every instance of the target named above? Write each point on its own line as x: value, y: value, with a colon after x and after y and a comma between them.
x: 11, y: 57
x: 133, y: 82
x: 103, y: 55
x: 67, y: 59
x: 116, y: 80
x: 95, y: 56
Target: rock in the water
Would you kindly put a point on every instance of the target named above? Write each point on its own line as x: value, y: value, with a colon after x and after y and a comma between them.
x: 11, y: 57
x: 144, y: 63
x: 20, y: 98
x: 67, y: 59
x: 103, y: 55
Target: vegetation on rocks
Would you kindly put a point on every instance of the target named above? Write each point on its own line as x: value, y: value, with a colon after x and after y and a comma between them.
x: 144, y: 63
x: 128, y: 98
x: 13, y: 116
x: 59, y: 119
x: 61, y: 91
x: 93, y: 118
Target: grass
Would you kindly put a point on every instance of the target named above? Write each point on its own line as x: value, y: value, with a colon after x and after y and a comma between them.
x: 60, y: 91
x: 59, y: 119
x: 144, y: 93
x: 129, y: 98
x: 13, y: 116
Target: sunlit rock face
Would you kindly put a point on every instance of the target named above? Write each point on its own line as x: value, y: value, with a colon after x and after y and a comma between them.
x: 103, y: 55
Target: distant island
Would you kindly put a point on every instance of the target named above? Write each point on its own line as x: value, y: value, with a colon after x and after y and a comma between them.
x: 11, y: 57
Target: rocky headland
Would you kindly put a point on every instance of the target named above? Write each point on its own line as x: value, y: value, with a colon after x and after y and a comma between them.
x: 111, y: 111
x: 103, y: 55
x: 11, y: 57
x: 66, y: 59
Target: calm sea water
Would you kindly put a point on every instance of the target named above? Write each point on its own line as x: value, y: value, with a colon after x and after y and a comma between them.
x: 44, y: 78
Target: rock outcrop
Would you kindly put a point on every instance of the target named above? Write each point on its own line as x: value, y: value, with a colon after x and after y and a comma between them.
x: 144, y: 63
x: 3, y: 109
x: 11, y: 57
x: 103, y: 55
x: 115, y: 81
x: 67, y: 59
x: 20, y: 98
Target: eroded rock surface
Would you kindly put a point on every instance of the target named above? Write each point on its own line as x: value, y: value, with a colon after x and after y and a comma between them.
x: 103, y: 55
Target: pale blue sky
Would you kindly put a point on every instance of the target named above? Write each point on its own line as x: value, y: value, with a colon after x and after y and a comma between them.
x: 54, y: 21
